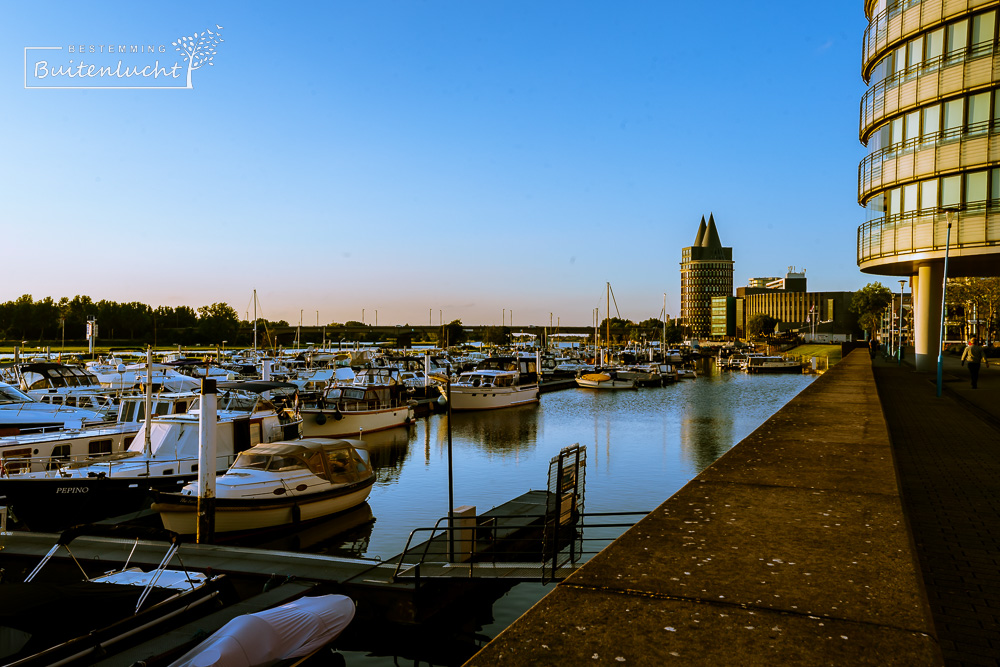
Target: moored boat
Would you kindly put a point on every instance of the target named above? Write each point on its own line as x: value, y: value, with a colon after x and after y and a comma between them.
x: 167, y: 459
x: 376, y: 400
x: 275, y: 485
x: 496, y: 382
x: 604, y: 380
x: 773, y: 365
x: 55, y: 624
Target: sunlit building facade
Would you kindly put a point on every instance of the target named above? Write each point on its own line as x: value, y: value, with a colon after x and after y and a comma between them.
x: 706, y: 272
x: 930, y: 120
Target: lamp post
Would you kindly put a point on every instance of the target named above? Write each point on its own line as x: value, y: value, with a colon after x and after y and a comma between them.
x: 944, y: 292
x: 899, y: 357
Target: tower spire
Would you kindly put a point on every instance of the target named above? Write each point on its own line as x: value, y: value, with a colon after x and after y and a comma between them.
x: 711, y: 238
x: 700, y: 238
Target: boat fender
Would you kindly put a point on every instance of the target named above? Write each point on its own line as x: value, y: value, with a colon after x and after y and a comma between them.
x: 336, y: 414
x: 296, y: 514
x: 321, y: 419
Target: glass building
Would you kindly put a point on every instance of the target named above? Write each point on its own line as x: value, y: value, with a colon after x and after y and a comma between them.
x: 930, y: 120
x: 706, y: 271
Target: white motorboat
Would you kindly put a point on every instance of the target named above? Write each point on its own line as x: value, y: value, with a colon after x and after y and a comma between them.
x: 604, y: 380
x: 59, y: 384
x: 276, y: 485
x: 496, y: 382
x: 20, y: 413
x: 165, y: 460
x: 49, y: 450
x: 44, y: 624
x: 376, y: 400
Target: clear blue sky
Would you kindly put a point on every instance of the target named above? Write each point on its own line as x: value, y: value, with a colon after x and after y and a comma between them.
x: 423, y: 156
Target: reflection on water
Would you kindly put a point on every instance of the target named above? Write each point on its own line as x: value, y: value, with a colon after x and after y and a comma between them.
x: 346, y: 534
x: 642, y: 446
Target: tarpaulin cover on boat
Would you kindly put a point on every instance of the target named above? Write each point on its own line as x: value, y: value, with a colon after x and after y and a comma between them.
x: 263, y: 638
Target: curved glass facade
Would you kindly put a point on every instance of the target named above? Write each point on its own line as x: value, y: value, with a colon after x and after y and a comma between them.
x: 930, y: 120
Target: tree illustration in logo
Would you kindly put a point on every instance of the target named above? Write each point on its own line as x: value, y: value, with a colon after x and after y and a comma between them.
x: 199, y: 50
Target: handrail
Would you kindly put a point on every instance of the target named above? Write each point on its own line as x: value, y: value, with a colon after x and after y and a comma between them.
x: 879, y: 25
x: 873, y: 99
x: 876, y: 229
x: 866, y: 168
x: 535, y: 554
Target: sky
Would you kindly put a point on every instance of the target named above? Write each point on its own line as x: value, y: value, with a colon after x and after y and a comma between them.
x: 427, y: 160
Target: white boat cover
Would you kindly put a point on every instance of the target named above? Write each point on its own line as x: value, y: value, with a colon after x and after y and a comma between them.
x: 265, y: 637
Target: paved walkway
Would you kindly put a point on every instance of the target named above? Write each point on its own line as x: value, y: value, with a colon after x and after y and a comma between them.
x: 947, y: 451
x: 793, y: 548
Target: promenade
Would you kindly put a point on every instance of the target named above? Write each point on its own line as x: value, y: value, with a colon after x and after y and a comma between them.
x: 856, y: 526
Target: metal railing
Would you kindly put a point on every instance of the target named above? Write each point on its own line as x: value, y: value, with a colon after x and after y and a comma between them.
x: 870, y: 170
x: 483, y: 551
x: 978, y: 224
x: 873, y: 102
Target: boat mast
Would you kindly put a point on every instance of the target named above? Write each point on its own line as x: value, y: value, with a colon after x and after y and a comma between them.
x: 663, y: 341
x: 608, y: 337
x: 255, y: 325
x: 147, y: 444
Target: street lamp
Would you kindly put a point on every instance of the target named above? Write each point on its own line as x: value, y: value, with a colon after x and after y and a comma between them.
x: 944, y: 291
x: 899, y: 359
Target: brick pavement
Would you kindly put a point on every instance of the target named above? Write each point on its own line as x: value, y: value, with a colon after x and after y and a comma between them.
x: 947, y: 454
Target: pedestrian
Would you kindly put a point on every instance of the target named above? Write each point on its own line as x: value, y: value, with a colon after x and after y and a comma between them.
x: 975, y: 356
x: 872, y: 347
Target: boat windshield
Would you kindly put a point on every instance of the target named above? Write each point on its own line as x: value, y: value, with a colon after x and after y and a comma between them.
x: 269, y: 462
x: 9, y: 395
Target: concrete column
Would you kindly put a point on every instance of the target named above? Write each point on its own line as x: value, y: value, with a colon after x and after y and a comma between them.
x: 927, y: 322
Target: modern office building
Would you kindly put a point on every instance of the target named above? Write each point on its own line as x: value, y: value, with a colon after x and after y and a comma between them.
x: 930, y: 183
x: 797, y: 310
x: 706, y: 271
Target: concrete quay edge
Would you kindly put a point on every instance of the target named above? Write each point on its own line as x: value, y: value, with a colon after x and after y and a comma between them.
x: 792, y: 548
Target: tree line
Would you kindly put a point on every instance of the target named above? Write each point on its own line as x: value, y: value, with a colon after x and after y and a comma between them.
x: 26, y: 319
x: 47, y: 320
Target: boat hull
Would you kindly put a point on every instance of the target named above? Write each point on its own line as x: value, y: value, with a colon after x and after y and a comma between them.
x: 53, y: 504
x: 241, y: 516
x: 325, y: 424
x: 493, y: 398
x: 605, y: 384
x: 783, y: 368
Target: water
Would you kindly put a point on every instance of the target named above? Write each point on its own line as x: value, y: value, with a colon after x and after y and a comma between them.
x: 642, y: 446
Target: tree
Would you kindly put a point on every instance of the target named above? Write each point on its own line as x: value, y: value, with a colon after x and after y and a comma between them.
x: 980, y: 300
x: 761, y: 325
x: 496, y: 335
x: 869, y: 303
x: 218, y: 322
x: 454, y: 333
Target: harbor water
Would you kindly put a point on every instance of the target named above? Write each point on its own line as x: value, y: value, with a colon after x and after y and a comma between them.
x: 642, y: 446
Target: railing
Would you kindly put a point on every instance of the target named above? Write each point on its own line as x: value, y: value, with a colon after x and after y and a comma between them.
x: 484, y: 551
x: 870, y: 169
x: 977, y: 224
x: 891, y: 19
x: 873, y: 102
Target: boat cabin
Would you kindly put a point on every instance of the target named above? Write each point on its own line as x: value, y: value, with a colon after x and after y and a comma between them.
x: 337, y: 461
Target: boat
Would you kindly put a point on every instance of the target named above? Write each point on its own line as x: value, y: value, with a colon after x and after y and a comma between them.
x: 163, y: 456
x: 277, y: 484
x: 298, y: 629
x: 45, y: 623
x: 20, y: 413
x: 686, y: 374
x: 773, y: 364
x: 376, y: 400
x: 604, y: 380
x: 51, y: 449
x: 495, y: 382
x: 59, y: 384
x: 644, y: 375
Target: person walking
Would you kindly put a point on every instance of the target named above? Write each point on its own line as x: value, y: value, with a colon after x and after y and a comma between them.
x: 975, y: 355
x: 872, y: 347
